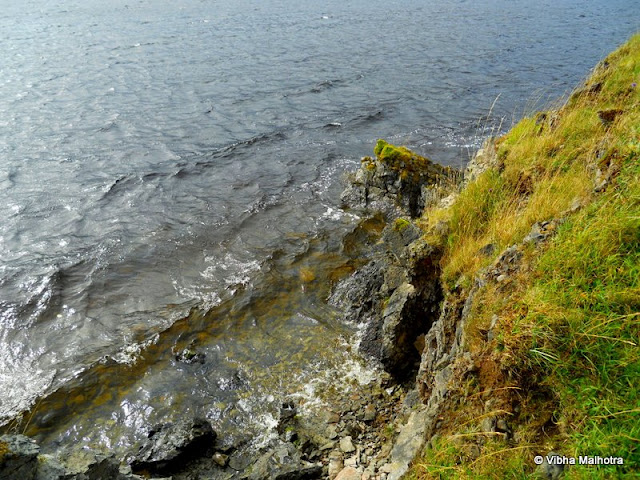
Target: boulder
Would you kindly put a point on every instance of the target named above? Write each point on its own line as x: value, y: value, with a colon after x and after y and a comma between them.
x: 89, y: 465
x: 18, y: 457
x: 170, y: 446
x: 400, y: 178
x: 283, y: 461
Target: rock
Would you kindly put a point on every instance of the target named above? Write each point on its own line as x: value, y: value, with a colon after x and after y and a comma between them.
x: 190, y: 356
x: 89, y: 465
x: 346, y: 445
x: 540, y: 231
x: 398, y: 178
x: 336, y: 464
x: 488, y: 249
x: 221, y: 459
x: 410, y: 442
x: 18, y: 457
x: 331, y: 417
x: 239, y: 461
x: 349, y: 473
x: 356, y: 295
x: 283, y: 462
x: 548, y: 471
x: 390, y: 339
x: 49, y: 468
x: 288, y: 412
x: 369, y: 413
x: 170, y: 446
x: 484, y: 159
x: 491, y: 332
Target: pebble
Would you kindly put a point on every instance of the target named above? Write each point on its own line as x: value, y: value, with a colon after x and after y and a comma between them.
x: 369, y: 413
x: 221, y: 459
x: 346, y: 445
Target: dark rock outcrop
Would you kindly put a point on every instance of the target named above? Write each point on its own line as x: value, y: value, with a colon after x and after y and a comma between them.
x: 18, y: 457
x: 395, y: 297
x: 170, y: 446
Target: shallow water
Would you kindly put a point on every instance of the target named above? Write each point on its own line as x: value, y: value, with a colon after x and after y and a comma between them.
x: 162, y: 157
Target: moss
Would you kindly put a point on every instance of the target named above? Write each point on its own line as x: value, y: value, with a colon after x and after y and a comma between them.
x: 400, y: 159
x: 401, y: 224
x: 4, y: 449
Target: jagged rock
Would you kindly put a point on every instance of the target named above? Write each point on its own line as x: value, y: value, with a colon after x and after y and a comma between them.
x: 50, y: 468
x: 346, y: 445
x: 89, y: 465
x: 400, y: 178
x: 288, y: 412
x: 18, y: 457
x: 396, y: 296
x: 283, y: 462
x: 336, y: 464
x: 540, y: 231
x: 399, y: 234
x: 349, y: 473
x: 170, y: 446
x: 356, y: 294
x: 484, y: 159
x: 369, y: 414
x: 410, y: 442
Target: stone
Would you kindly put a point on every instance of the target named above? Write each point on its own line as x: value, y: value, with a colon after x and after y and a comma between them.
x: 398, y: 178
x: 549, y: 471
x: 190, y: 356
x: 410, y: 442
x: 488, y: 249
x: 349, y: 473
x: 484, y: 159
x: 170, y: 446
x: 336, y: 464
x: 89, y: 465
x: 346, y: 445
x: 18, y: 457
x: 220, y: 459
x: 369, y: 413
x: 283, y: 461
x: 49, y: 468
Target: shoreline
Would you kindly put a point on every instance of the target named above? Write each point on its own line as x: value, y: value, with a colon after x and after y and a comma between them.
x: 471, y: 384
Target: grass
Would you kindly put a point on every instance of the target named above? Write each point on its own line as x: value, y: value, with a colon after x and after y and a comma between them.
x: 565, y: 359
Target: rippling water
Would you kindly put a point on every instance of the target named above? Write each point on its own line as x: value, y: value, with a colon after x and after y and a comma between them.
x: 157, y: 157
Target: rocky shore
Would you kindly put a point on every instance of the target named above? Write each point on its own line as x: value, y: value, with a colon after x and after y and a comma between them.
x: 371, y: 432
x: 406, y: 327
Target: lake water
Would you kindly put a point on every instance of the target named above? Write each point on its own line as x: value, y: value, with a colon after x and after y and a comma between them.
x: 160, y: 158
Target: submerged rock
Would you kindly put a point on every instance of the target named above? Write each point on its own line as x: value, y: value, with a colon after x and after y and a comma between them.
x: 89, y: 465
x: 18, y: 457
x: 170, y: 446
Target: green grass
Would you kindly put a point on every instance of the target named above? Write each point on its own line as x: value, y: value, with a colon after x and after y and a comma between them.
x: 587, y: 307
x: 567, y: 346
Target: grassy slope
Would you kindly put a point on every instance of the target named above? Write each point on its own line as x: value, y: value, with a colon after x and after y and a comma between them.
x: 565, y: 367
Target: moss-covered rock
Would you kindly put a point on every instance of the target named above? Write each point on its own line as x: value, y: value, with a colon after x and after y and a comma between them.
x: 398, y: 178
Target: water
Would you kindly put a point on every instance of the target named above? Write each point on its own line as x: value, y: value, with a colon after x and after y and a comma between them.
x: 159, y: 157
